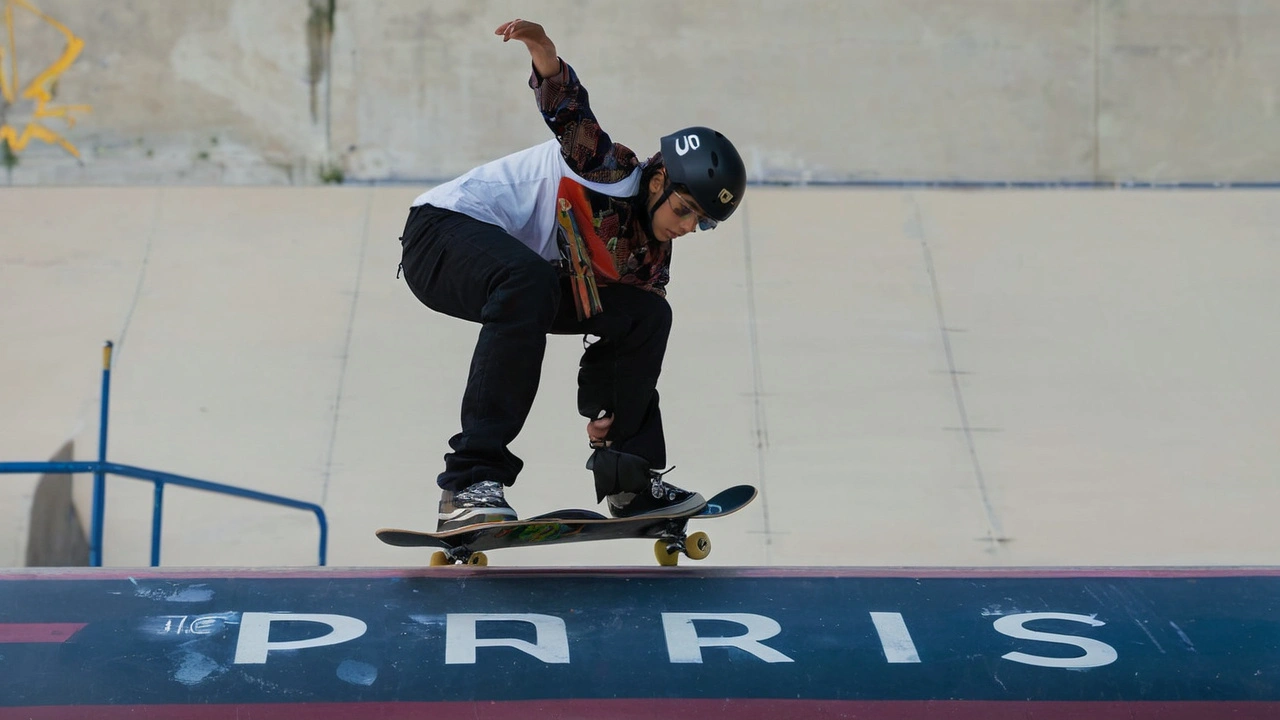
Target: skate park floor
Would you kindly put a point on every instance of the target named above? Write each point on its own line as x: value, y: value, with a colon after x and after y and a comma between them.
x: 910, y: 376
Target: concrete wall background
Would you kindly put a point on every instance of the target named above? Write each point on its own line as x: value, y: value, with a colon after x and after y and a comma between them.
x: 261, y: 92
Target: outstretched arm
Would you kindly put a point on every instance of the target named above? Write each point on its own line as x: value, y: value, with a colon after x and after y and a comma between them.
x: 565, y: 107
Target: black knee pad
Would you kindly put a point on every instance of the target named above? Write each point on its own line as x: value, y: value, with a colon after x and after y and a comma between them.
x: 618, y: 472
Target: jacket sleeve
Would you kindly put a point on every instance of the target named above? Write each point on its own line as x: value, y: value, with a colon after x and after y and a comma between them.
x: 586, y: 147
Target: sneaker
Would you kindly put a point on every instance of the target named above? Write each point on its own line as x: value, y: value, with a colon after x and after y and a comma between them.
x: 482, y: 502
x: 662, y: 498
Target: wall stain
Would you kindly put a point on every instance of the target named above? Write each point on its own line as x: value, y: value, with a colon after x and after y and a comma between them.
x: 320, y: 48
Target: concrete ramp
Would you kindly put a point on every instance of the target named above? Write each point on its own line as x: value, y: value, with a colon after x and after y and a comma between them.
x: 711, y: 643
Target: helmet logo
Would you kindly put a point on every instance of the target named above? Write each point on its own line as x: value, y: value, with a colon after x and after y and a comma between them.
x: 726, y: 197
x: 687, y: 143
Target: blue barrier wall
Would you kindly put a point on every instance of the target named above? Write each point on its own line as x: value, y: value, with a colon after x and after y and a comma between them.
x: 576, y: 643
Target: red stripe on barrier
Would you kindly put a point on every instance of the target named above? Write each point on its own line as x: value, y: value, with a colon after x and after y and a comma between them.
x: 38, y: 632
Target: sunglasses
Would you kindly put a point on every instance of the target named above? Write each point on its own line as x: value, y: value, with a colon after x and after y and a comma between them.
x: 685, y: 208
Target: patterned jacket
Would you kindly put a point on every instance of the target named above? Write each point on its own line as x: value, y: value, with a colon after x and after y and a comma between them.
x: 620, y: 249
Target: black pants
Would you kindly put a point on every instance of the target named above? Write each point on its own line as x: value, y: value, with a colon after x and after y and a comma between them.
x: 475, y: 271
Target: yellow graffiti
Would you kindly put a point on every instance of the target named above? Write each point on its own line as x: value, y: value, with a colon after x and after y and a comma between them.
x: 40, y: 89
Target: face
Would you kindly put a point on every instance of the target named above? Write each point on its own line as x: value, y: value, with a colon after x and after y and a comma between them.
x: 677, y: 215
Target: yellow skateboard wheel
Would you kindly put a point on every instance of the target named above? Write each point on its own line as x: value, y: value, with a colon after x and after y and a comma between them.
x: 666, y: 558
x: 697, y: 546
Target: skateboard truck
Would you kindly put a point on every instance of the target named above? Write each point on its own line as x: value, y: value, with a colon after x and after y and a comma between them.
x: 674, y: 541
x: 458, y: 556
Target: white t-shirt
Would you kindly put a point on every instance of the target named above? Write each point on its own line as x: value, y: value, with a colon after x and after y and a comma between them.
x: 518, y: 194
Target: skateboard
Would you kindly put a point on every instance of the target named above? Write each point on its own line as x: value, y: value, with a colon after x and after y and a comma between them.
x: 466, y: 545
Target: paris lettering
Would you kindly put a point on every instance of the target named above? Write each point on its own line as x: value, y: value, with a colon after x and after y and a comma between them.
x: 688, y: 637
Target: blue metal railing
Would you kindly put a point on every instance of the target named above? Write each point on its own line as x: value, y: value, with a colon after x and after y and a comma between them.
x: 101, y: 468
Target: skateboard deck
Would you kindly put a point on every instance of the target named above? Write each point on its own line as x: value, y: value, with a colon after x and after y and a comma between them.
x: 467, y: 545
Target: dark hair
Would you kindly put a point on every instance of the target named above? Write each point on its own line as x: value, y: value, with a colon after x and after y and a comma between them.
x: 650, y: 168
x: 642, y: 204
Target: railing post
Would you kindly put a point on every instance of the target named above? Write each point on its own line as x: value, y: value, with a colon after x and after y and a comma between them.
x: 156, y: 510
x: 99, y: 476
x: 324, y: 536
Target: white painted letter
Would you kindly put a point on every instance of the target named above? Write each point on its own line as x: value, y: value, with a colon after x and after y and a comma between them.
x: 1096, y: 653
x: 894, y: 638
x: 690, y: 142
x: 684, y: 645
x: 460, y: 641
x: 253, y: 643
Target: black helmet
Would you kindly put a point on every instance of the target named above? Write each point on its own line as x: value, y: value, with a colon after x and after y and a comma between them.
x: 706, y: 162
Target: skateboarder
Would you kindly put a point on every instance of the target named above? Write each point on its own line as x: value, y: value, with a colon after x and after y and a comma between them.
x: 572, y: 236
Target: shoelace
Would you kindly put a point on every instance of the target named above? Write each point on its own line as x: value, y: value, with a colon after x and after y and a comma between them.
x: 657, y: 486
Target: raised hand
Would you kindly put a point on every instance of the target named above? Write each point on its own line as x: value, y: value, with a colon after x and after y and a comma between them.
x: 545, y: 61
